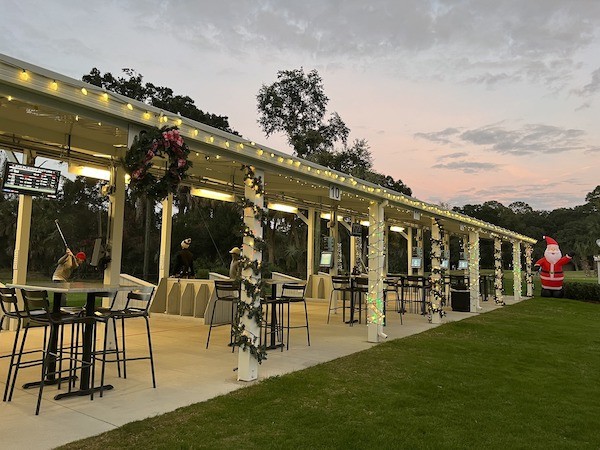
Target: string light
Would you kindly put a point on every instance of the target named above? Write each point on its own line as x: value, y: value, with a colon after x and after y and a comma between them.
x: 129, y: 106
x: 84, y: 91
x: 24, y: 75
x: 54, y: 85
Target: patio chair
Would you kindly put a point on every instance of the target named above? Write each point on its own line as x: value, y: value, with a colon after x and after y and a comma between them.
x: 11, y: 311
x: 340, y: 284
x: 228, y: 293
x: 361, y: 289
x: 290, y: 294
x: 390, y: 287
x: 137, y: 305
x: 37, y: 307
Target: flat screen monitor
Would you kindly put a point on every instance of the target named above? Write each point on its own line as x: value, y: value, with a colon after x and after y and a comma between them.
x: 444, y: 264
x: 463, y: 264
x: 415, y: 263
x: 30, y: 180
x: 326, y: 259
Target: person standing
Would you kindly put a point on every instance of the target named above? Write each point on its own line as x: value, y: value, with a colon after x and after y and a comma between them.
x: 184, y: 261
x: 235, y: 268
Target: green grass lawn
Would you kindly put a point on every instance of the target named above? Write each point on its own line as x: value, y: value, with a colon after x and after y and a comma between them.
x: 524, y: 376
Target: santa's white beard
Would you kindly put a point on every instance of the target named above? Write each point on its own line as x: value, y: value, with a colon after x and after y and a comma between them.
x: 552, y: 257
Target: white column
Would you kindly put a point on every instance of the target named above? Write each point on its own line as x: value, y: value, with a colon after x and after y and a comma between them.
x: 434, y: 307
x: 116, y: 210
x: 23, y: 233
x: 474, y: 269
x: 528, y: 274
x: 409, y: 249
x: 165, y: 238
x: 310, y: 244
x: 247, y: 363
x: 498, y: 273
x: 353, y: 250
x: 333, y: 232
x: 376, y: 274
x: 421, y: 270
x: 517, y: 270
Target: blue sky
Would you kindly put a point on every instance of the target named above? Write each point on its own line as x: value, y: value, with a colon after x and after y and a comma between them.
x: 464, y: 101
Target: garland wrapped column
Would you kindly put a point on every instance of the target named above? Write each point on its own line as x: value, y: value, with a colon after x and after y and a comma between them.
x: 474, y: 269
x: 376, y: 261
x: 247, y: 331
x: 528, y: 274
x: 517, y: 270
x: 434, y: 305
x: 498, y: 273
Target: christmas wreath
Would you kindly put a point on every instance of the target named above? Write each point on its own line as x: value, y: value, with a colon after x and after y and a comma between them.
x: 165, y: 143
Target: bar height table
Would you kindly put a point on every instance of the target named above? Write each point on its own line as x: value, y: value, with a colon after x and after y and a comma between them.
x: 91, y: 290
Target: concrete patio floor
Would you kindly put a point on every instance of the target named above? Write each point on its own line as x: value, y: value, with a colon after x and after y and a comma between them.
x: 186, y: 373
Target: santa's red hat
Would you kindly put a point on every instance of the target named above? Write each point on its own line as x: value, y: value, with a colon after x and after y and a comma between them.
x: 550, y: 241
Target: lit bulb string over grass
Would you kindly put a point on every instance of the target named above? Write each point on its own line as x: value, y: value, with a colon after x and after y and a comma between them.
x: 253, y: 285
x: 436, y: 304
x: 473, y: 247
x: 498, y: 273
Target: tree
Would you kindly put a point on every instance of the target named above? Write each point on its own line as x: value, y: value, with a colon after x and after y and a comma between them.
x: 132, y: 86
x: 296, y: 105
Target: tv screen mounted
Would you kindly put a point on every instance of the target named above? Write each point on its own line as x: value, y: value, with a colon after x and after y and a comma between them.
x: 416, y: 263
x: 30, y: 180
x: 463, y: 264
x: 326, y: 259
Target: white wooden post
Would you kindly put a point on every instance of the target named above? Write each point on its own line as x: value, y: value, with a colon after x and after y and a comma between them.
x: 247, y: 363
x: 421, y: 270
x: 165, y: 238
x: 409, y: 249
x: 517, y: 270
x: 435, y: 305
x: 498, y: 273
x: 528, y: 274
x: 310, y: 244
x: 376, y: 275
x: 474, y: 270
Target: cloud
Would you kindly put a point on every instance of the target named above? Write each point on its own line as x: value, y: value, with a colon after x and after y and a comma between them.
x: 527, y: 140
x: 453, y: 155
x: 441, y: 137
x: 592, y: 87
x: 468, y: 167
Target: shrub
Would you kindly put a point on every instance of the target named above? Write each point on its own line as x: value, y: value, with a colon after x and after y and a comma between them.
x: 582, y: 291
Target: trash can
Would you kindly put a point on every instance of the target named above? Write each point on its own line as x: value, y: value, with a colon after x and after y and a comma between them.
x: 460, y: 298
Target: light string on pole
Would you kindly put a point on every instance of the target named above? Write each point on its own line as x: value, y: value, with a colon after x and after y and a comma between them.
x: 528, y: 274
x: 375, y: 249
x: 498, y: 272
x: 253, y: 285
x: 437, y: 300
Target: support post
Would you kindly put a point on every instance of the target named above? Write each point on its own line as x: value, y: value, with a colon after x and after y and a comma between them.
x: 165, y: 238
x: 434, y: 307
x: 517, y: 270
x: 310, y: 244
x: 498, y: 272
x: 376, y: 260
x: 474, y: 270
x: 528, y: 274
x: 247, y: 363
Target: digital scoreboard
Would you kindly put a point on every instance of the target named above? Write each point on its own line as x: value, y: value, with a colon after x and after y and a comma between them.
x: 30, y: 180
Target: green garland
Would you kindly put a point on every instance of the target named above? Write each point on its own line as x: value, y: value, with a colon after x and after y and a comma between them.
x: 437, y: 283
x: 166, y: 143
x: 243, y: 338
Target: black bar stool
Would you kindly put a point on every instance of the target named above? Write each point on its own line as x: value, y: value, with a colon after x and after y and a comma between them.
x: 228, y: 292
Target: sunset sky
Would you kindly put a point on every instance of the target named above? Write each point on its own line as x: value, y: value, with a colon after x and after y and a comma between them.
x: 465, y: 101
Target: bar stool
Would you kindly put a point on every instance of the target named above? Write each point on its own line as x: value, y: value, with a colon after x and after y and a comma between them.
x: 10, y: 310
x: 228, y: 292
x: 391, y: 287
x: 36, y: 301
x: 339, y: 284
x: 136, y: 306
x: 294, y: 293
x: 361, y: 289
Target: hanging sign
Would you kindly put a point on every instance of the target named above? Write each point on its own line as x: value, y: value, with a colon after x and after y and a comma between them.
x: 335, y: 193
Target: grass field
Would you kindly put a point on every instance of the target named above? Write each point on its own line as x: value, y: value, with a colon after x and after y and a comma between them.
x: 524, y: 376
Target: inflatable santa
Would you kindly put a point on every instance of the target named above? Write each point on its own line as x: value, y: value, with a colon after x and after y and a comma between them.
x: 550, y: 266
